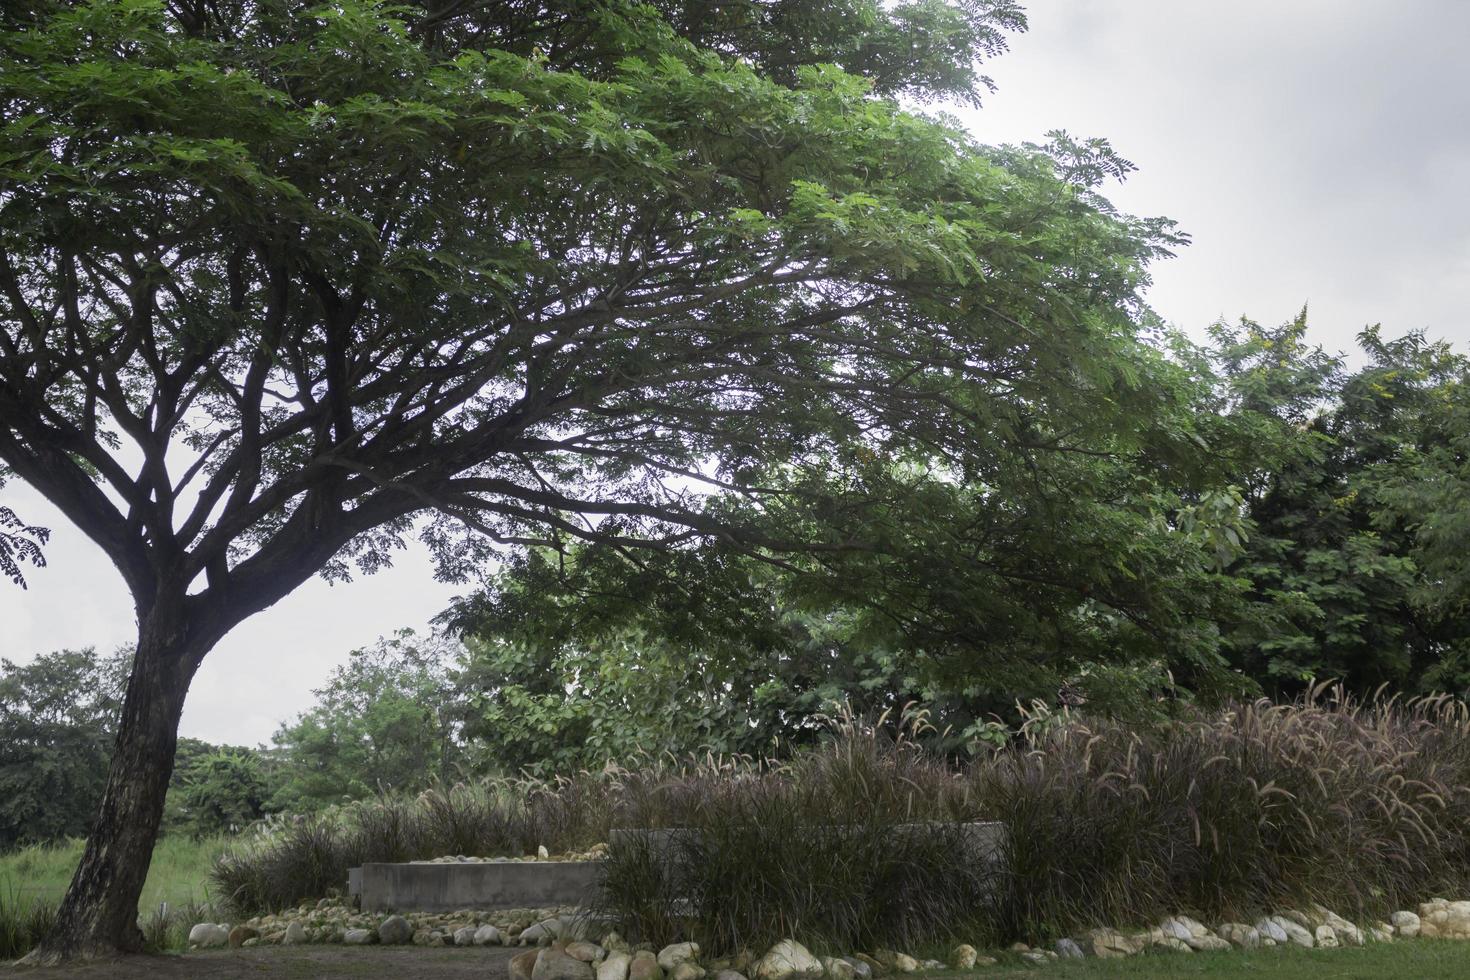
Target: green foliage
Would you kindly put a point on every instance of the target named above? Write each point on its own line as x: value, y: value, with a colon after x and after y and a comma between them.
x: 19, y: 543
x: 218, y: 790
x: 58, y: 714
x: 386, y: 719
x: 1351, y: 478
x: 532, y: 703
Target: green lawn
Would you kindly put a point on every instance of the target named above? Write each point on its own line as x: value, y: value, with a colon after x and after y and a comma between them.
x: 1409, y: 960
x: 179, y: 873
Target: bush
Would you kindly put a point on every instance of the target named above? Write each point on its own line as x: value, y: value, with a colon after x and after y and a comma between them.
x: 856, y: 844
x: 1253, y: 808
x: 1259, y: 806
x: 1227, y: 814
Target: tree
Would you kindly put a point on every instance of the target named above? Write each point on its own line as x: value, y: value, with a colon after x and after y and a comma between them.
x: 553, y: 706
x: 1351, y: 486
x: 58, y: 715
x: 384, y: 720
x: 218, y: 789
x: 282, y: 286
x: 20, y: 543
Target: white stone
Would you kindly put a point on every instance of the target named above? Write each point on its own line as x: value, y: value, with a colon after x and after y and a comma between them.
x: 587, y: 952
x: 1196, y: 928
x: 1406, y: 924
x: 1239, y: 934
x: 464, y: 936
x: 615, y: 967
x: 787, y: 959
x: 208, y: 934
x: 1207, y: 944
x: 542, y: 932
x: 395, y: 930
x: 1295, y: 933
x: 1343, y: 931
x: 357, y: 937
x: 487, y: 935
x: 1439, y: 919
x: 1270, y: 931
x: 671, y: 956
x: 1068, y: 949
x: 295, y: 934
x: 1111, y: 944
x: 838, y: 969
x: 552, y: 963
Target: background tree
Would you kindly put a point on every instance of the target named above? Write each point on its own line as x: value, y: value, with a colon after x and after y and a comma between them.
x: 547, y: 707
x: 1351, y: 492
x: 58, y: 716
x: 385, y: 720
x: 279, y: 286
x: 217, y: 790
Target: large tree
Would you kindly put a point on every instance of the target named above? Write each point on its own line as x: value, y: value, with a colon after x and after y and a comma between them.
x: 282, y: 284
x: 1354, y: 483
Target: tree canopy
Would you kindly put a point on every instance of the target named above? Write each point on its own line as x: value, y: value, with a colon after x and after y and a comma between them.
x: 643, y: 287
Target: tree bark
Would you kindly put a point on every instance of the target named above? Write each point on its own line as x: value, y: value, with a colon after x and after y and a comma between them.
x: 99, y: 915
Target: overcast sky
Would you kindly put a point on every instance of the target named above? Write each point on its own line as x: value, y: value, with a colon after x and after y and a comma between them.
x: 1317, y: 151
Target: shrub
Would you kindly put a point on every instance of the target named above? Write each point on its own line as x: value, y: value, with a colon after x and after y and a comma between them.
x: 1256, y: 807
x: 855, y: 844
x: 1252, y: 808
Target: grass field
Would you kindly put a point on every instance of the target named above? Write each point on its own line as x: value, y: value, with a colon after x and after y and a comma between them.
x: 178, y: 875
x: 1424, y: 958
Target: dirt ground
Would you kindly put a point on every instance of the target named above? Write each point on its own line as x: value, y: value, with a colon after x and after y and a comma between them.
x: 295, y: 963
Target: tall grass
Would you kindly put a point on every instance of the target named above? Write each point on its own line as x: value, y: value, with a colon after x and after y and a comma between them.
x: 1361, y: 807
x: 294, y: 858
x: 1229, y: 813
x: 176, y: 893
x: 855, y: 845
x: 22, y: 923
x: 179, y: 872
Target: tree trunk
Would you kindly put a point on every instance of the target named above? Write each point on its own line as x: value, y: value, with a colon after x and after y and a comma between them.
x: 99, y: 915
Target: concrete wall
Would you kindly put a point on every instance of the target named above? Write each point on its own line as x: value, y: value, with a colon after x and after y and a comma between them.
x: 447, y: 887
x: 980, y: 840
x: 538, y: 884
